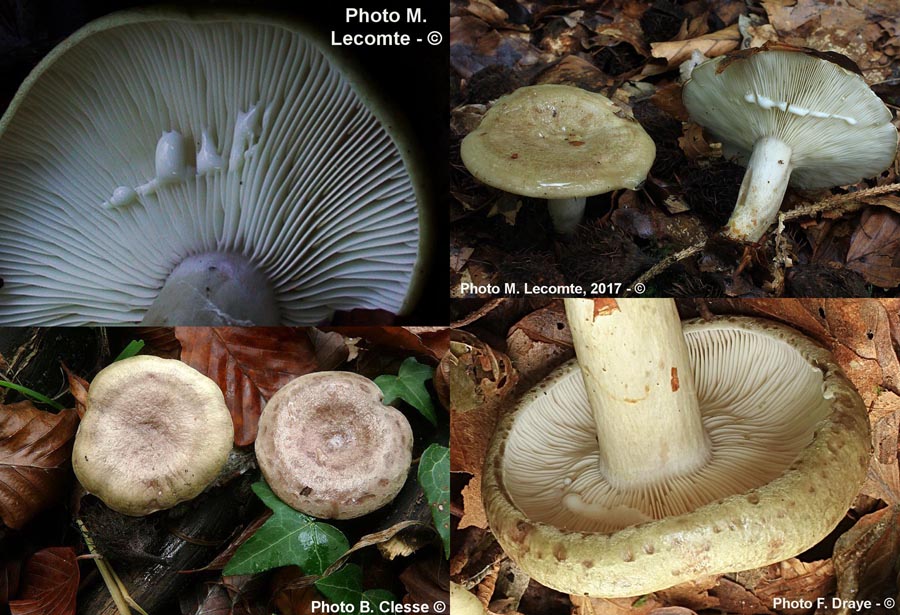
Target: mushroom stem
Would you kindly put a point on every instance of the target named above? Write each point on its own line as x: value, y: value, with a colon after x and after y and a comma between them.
x: 762, y: 190
x: 214, y: 289
x: 640, y: 386
x: 566, y: 214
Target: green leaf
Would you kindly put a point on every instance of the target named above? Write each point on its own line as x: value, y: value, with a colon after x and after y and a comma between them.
x: 133, y: 347
x: 288, y: 538
x: 32, y: 394
x: 409, y: 385
x: 434, y: 476
x: 345, y: 587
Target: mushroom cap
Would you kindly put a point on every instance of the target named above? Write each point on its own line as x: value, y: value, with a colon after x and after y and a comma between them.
x: 206, y: 132
x: 155, y: 432
x: 463, y: 602
x: 766, y: 495
x: 557, y: 142
x: 329, y: 448
x: 838, y: 128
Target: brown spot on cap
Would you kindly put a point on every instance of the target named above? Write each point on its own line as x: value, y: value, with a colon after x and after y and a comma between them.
x: 559, y: 552
x: 753, y: 498
x: 588, y: 563
x: 675, y: 385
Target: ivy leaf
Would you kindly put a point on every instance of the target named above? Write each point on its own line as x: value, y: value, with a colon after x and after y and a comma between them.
x: 434, y: 476
x: 409, y: 385
x: 345, y: 587
x: 288, y: 538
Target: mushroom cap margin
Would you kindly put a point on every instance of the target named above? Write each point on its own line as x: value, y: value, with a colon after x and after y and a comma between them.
x: 295, y: 459
x: 110, y: 473
x: 740, y: 532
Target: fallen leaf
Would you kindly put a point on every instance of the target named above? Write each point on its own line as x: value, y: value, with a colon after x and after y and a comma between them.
x: 481, y: 378
x: 615, y: 606
x: 711, y: 45
x: 883, y: 478
x: 78, y: 387
x: 35, y: 454
x: 9, y: 580
x: 875, y: 248
x: 806, y: 581
x: 249, y: 365
x: 430, y: 342
x: 49, y: 584
x: 866, y: 556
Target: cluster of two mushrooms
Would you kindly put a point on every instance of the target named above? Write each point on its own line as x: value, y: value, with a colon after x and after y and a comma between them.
x: 666, y: 452
x: 789, y: 115
x: 156, y: 433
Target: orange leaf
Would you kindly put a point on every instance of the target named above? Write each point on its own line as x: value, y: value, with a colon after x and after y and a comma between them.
x: 428, y: 341
x: 249, y: 365
x: 49, y: 584
x: 35, y: 453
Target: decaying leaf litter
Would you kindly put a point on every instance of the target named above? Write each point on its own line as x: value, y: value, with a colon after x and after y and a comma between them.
x: 507, y: 346
x: 214, y: 553
x: 838, y: 242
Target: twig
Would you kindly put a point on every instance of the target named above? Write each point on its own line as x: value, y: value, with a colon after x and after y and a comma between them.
x: 844, y: 203
x: 667, y: 262
x: 117, y: 590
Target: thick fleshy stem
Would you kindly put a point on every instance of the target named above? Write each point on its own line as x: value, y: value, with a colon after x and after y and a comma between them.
x: 215, y: 289
x: 763, y: 188
x: 639, y: 383
x: 566, y: 214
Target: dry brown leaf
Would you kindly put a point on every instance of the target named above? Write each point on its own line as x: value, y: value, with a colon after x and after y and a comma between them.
x: 474, y: 514
x: 540, y: 342
x: 673, y: 610
x: 866, y: 556
x: 249, y: 365
x: 35, y: 454
x: 49, y: 584
x: 875, y: 248
x: 9, y: 580
x: 159, y: 341
x: 883, y: 479
x: 78, y: 387
x: 711, y: 45
x: 694, y: 144
x: 797, y: 579
x: 474, y: 44
x: 425, y: 341
x: 694, y: 594
x: 614, y: 606
x: 481, y: 379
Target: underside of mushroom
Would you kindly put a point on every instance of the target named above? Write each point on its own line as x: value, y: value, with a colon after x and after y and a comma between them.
x: 650, y: 462
x: 224, y: 160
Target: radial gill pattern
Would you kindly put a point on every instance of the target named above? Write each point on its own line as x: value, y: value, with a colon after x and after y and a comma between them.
x: 146, y: 141
x: 760, y: 401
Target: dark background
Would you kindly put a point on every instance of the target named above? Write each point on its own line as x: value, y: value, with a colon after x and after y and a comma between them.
x: 414, y: 79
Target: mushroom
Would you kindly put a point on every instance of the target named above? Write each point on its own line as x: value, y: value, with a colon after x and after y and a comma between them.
x: 659, y: 457
x: 155, y: 433
x: 791, y: 116
x: 329, y: 448
x: 462, y: 602
x: 559, y: 143
x: 223, y: 168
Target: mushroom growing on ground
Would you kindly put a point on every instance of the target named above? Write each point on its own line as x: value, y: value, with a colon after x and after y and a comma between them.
x: 329, y: 448
x: 559, y: 143
x: 791, y: 116
x: 222, y: 169
x: 659, y: 457
x: 155, y: 433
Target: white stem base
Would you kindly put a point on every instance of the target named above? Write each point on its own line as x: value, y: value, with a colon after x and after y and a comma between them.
x: 640, y: 386
x: 566, y: 214
x: 766, y: 179
x: 214, y: 289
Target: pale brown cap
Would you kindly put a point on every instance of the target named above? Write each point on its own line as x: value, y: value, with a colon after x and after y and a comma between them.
x: 329, y: 448
x: 557, y: 142
x: 789, y: 449
x: 155, y: 433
